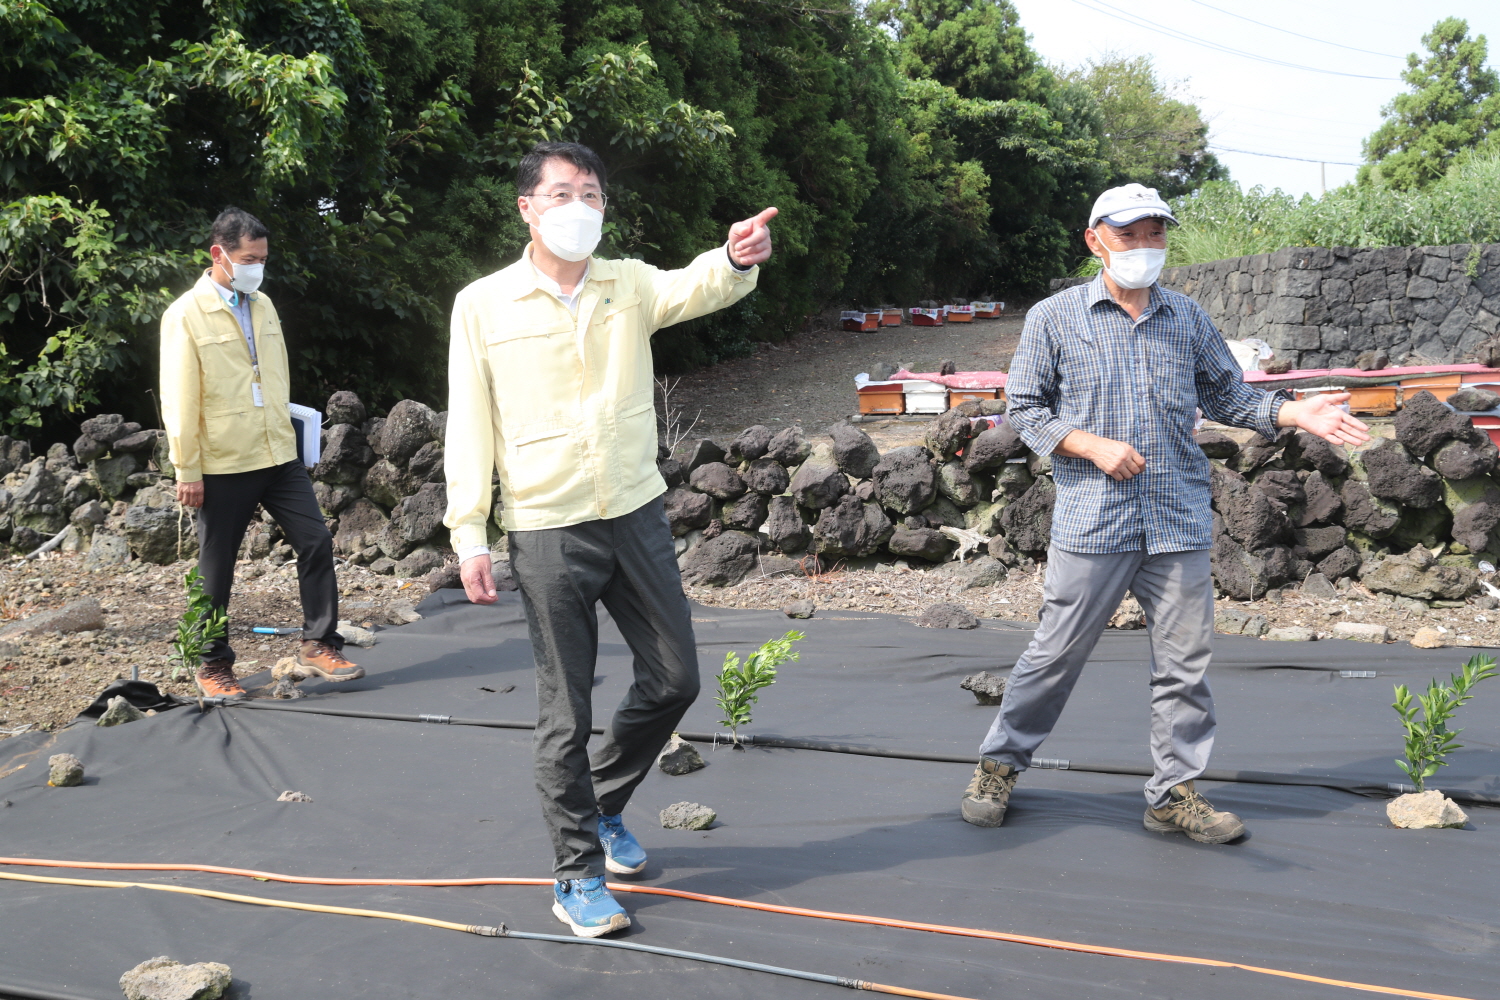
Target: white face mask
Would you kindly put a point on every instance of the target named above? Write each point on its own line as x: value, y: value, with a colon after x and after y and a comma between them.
x: 1136, y: 268
x: 243, y: 277
x: 571, y: 231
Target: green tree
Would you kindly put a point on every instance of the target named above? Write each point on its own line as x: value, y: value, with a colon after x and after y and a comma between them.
x: 1150, y: 135
x: 124, y: 128
x: 998, y: 130
x: 1453, y: 106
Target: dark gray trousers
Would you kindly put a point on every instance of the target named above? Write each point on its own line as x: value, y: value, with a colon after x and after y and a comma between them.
x: 286, y: 492
x: 626, y: 562
x: 1081, y: 594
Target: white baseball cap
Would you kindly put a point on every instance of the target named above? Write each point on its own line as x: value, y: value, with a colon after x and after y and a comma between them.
x: 1120, y: 206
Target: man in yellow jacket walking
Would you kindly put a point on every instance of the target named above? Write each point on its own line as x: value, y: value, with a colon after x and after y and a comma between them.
x: 225, y: 391
x: 550, y: 384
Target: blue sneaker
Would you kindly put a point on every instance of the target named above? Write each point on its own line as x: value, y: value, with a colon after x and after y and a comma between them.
x: 585, y: 905
x: 623, y: 854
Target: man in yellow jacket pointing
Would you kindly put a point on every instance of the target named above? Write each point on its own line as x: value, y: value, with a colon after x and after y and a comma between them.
x: 225, y: 391
x: 550, y: 384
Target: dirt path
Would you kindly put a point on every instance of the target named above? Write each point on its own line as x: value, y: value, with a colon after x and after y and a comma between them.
x: 810, y: 379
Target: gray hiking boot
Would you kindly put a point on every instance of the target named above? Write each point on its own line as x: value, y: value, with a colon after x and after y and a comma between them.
x: 989, y: 793
x: 1190, y: 813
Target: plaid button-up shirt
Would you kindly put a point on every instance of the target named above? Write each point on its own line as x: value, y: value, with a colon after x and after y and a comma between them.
x: 1084, y: 364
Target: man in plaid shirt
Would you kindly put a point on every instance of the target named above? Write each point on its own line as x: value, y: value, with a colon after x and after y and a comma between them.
x: 1107, y: 380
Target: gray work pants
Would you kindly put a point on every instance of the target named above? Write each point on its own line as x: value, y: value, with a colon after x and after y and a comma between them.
x: 626, y: 562
x: 1081, y: 594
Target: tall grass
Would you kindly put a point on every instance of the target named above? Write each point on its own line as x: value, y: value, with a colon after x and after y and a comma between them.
x: 1219, y: 221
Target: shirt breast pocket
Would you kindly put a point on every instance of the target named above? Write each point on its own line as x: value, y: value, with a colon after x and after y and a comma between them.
x: 1172, y: 382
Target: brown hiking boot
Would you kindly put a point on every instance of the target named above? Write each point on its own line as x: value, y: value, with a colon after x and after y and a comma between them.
x: 215, y: 679
x: 988, y: 793
x: 327, y: 662
x: 1190, y: 813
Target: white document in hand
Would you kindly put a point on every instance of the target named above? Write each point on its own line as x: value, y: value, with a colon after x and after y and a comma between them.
x: 308, y: 425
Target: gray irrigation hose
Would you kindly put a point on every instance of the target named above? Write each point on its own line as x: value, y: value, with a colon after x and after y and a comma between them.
x: 812, y: 977
x: 1369, y: 788
x: 26, y: 993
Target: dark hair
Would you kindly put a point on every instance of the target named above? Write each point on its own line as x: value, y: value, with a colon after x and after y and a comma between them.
x: 235, y: 225
x: 529, y: 172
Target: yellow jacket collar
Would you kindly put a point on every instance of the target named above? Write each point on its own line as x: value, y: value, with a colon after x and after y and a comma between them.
x: 206, y: 294
x: 518, y: 280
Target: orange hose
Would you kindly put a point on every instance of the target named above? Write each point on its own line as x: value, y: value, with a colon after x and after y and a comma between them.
x: 854, y: 918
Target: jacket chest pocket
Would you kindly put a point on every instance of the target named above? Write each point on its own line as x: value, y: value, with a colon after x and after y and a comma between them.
x: 224, y: 364
x: 618, y: 315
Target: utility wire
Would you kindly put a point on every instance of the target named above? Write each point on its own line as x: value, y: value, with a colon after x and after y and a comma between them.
x: 1279, y: 156
x: 1295, y: 34
x: 1111, y: 11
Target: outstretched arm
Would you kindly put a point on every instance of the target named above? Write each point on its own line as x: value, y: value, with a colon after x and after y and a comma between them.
x: 1320, y: 415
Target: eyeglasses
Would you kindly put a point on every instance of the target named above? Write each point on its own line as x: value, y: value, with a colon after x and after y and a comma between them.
x: 593, y: 199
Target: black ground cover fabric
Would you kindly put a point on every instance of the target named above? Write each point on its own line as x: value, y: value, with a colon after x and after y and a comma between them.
x: 1322, y: 886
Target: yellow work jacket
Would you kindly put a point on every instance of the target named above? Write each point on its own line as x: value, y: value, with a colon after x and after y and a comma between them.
x: 561, y: 404
x: 207, y: 406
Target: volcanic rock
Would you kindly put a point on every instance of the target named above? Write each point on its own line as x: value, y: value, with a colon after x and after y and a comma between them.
x: 993, y: 448
x: 767, y: 477
x: 1249, y: 516
x: 1233, y: 621
x: 427, y: 463
x: 387, y: 484
x: 987, y: 688
x: 1416, y: 574
x: 854, y: 452
x: 64, y: 770
x: 920, y: 543
x: 1320, y: 504
x: 750, y: 444
x: 1028, y: 520
x: 1423, y: 423
x: 1465, y: 459
x: 118, y: 712
x: 1394, y: 475
x: 851, y: 528
x: 87, y: 449
x: 717, y: 480
x: 408, y: 426
x: 1366, y: 513
x: 1361, y: 632
x: 799, y: 609
x: 687, y: 816
x: 703, y: 452
x: 1315, y: 543
x: 1473, y: 399
x: 344, y: 407
x: 360, y: 525
x: 1329, y: 459
x: 785, y: 527
x: 1282, y: 486
x: 1291, y: 634
x: 1129, y: 615
x: 686, y: 510
x: 1429, y: 810
x: 165, y: 979
x: 106, y: 428
x: 1217, y: 444
x: 948, y: 434
x: 747, y: 513
x: 818, y: 482
x: 948, y: 616
x: 721, y: 561
x: 955, y: 483
x: 1428, y: 637
x: 1317, y: 586
x: 680, y: 757
x: 789, y: 447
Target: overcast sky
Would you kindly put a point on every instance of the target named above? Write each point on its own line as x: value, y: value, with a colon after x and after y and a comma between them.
x: 1254, y: 105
